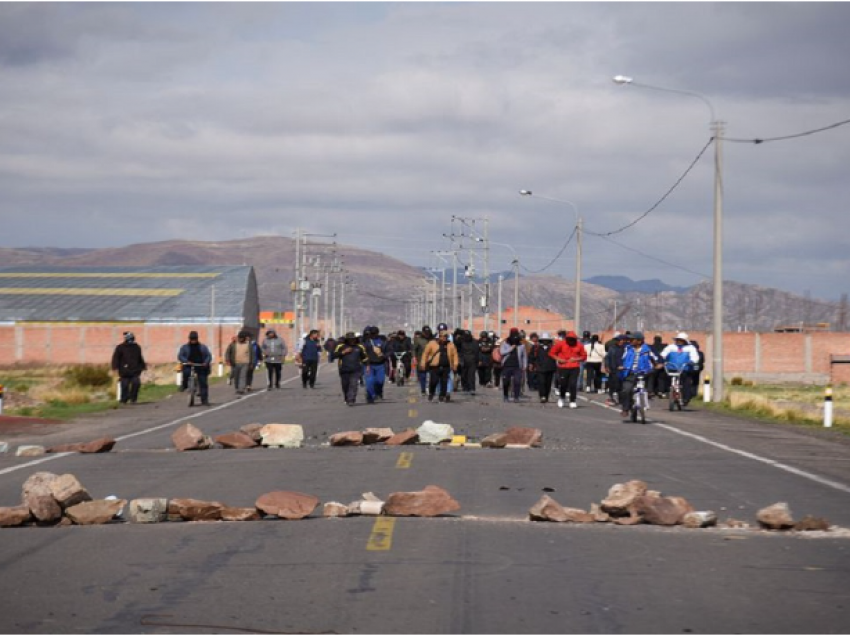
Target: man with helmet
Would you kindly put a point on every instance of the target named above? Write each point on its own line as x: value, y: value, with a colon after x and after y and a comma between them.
x: 128, y: 362
x: 682, y: 355
x: 638, y: 358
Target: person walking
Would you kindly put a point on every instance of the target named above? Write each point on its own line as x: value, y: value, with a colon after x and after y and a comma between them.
x: 308, y: 358
x: 196, y: 355
x: 440, y: 360
x: 532, y: 351
x: 657, y: 381
x: 240, y: 356
x: 128, y: 362
x: 613, y: 357
x: 485, y: 360
x: 568, y: 354
x: 274, y: 353
x: 350, y: 356
x: 545, y: 367
x: 329, y: 346
x: 376, y: 364
x: 258, y: 359
x: 468, y: 357
x: 593, y: 365
x: 514, y: 362
x: 420, y: 342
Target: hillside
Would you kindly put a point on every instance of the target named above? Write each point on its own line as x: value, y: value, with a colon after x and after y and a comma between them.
x: 380, y: 286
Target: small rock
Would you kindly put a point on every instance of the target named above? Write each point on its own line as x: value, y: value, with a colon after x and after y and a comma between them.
x: 627, y: 521
x: 95, y: 512
x: 432, y: 433
x: 335, y: 509
x: 101, y: 445
x: 148, y: 510
x: 775, y: 517
x: 576, y: 515
x: 522, y: 436
x: 188, y: 437
x: 377, y: 435
x: 30, y: 450
x: 14, y: 516
x: 348, y: 438
x: 404, y: 438
x: 37, y: 495
x: 661, y: 511
x: 287, y: 504
x: 547, y: 509
x: 239, y: 514
x: 68, y: 491
x: 194, y: 510
x: 809, y: 523
x: 736, y: 523
x: 621, y: 497
x: 252, y: 431
x: 366, y: 507
x: 4, y: 447
x: 430, y: 502
x: 495, y: 440
x: 238, y: 440
x: 282, y: 435
x: 700, y: 519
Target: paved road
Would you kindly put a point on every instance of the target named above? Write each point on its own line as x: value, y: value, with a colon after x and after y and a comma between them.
x: 485, y: 570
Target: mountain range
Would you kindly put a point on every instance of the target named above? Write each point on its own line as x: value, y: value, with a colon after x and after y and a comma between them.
x: 379, y: 289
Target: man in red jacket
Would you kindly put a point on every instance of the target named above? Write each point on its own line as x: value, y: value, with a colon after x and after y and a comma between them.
x: 569, y: 354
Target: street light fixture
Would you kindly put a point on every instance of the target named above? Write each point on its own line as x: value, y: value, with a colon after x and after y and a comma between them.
x: 717, y: 330
x: 579, y: 223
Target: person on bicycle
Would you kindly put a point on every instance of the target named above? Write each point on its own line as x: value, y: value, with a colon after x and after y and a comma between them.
x: 682, y: 356
x: 400, y: 347
x: 193, y: 352
x: 274, y: 352
x: 569, y: 353
x: 637, y: 359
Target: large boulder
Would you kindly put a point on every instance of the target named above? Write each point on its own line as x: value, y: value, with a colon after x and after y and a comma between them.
x: 286, y: 504
x: 100, y: 445
x: 433, y: 433
x: 377, y: 435
x: 621, y: 497
x: 238, y: 440
x: 194, y: 510
x: 282, y: 435
x: 14, y: 516
x: 252, y: 431
x: 68, y: 491
x: 495, y: 440
x: 430, y: 502
x: 662, y: 511
x: 95, y: 512
x: 348, y: 438
x: 189, y: 437
x: 37, y: 495
x: 404, y: 438
x: 524, y: 436
x: 776, y: 517
x: 148, y: 510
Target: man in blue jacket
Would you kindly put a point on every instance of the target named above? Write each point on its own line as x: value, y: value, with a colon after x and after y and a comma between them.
x: 311, y: 353
x: 376, y: 364
x: 638, y: 358
x: 193, y: 352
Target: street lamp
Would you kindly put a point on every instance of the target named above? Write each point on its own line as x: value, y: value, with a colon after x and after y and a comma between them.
x: 529, y: 193
x: 717, y: 334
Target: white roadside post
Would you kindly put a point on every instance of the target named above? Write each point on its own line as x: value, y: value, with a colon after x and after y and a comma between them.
x: 706, y: 389
x: 118, y: 390
x: 827, y: 407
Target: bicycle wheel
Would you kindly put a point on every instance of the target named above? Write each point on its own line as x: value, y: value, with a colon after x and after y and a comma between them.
x: 193, y: 389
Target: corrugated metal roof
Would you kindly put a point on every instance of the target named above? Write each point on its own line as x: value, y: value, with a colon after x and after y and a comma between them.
x: 150, y: 294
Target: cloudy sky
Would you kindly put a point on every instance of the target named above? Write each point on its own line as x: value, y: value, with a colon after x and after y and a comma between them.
x: 125, y: 123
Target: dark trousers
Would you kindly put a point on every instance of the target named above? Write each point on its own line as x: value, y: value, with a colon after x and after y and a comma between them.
x: 627, y: 386
x: 423, y: 379
x: 439, y: 375
x: 533, y: 379
x: 614, y: 384
x: 568, y: 382
x: 657, y: 381
x: 308, y: 372
x: 467, y: 377
x: 350, y: 383
x: 203, y: 374
x: 130, y: 386
x: 544, y: 383
x: 593, y: 371
x: 511, y: 378
x: 497, y: 375
x: 274, y: 369
x: 485, y: 375
x: 687, y: 383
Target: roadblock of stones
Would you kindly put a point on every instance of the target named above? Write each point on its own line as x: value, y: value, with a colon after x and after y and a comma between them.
x: 632, y: 504
x: 435, y: 434
x: 48, y: 499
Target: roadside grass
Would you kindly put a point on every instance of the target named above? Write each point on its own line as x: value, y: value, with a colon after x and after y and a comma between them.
x: 790, y: 404
x: 65, y: 392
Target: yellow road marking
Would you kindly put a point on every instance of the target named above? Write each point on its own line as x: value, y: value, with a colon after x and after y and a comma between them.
x: 411, y: 400
x: 88, y: 291
x: 412, y: 413
x: 404, y: 460
x: 382, y: 534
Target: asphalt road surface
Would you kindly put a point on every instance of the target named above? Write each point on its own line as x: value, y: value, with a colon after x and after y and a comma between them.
x: 485, y: 569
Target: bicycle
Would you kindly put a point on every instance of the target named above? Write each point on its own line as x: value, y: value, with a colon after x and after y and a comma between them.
x: 675, y: 396
x: 192, y: 383
x: 399, y: 368
x: 640, y: 399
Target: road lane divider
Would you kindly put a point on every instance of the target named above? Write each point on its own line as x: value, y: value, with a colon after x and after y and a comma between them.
x: 404, y: 460
x: 381, y: 538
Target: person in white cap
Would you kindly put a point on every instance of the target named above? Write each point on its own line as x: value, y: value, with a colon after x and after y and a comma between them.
x: 684, y: 356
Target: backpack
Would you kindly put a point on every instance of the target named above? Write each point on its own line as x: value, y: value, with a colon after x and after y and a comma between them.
x: 497, y: 354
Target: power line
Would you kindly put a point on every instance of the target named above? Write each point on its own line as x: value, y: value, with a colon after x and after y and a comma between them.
x: 786, y: 137
x: 552, y: 262
x: 654, y: 258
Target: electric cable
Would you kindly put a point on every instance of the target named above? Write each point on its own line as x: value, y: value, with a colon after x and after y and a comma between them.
x: 786, y: 137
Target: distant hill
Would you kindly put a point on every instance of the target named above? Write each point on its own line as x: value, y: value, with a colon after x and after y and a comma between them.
x: 380, y: 290
x: 625, y: 284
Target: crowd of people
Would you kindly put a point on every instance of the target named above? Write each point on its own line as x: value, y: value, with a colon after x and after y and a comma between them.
x: 445, y: 363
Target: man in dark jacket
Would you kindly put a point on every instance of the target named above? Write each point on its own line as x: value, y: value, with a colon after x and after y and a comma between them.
x: 195, y: 353
x: 419, y: 343
x: 485, y: 359
x: 545, y: 367
x: 350, y: 356
x: 376, y: 364
x: 308, y: 358
x: 613, y: 358
x: 128, y: 362
x: 468, y: 354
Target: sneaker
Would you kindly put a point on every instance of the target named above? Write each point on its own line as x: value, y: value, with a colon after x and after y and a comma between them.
x: 430, y: 398
x: 448, y: 398
x: 269, y: 388
x: 573, y: 405
x: 350, y: 403
x: 560, y: 403
x: 505, y: 398
x: 624, y: 413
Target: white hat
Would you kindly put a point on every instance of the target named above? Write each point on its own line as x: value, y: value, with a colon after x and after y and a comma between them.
x: 545, y: 336
x: 682, y: 336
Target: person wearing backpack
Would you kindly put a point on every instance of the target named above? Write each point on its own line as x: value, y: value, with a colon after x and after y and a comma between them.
x: 514, y: 362
x: 593, y: 365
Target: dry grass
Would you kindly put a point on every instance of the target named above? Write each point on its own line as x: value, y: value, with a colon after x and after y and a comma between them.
x: 802, y: 404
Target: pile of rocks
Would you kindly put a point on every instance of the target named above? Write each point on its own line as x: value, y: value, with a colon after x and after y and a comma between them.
x: 632, y: 503
x: 432, y: 501
x: 101, y: 445
x: 189, y: 437
x: 433, y: 433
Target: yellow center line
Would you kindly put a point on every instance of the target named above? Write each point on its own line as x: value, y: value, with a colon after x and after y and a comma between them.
x: 381, y: 538
x: 412, y: 413
x: 404, y: 460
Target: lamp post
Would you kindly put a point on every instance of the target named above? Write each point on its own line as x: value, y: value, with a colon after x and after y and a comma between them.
x: 579, y: 225
x: 717, y: 328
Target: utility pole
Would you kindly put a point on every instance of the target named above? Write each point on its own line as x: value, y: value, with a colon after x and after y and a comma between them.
x: 499, y: 317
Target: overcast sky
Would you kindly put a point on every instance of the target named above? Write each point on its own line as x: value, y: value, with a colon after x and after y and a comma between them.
x: 125, y: 123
